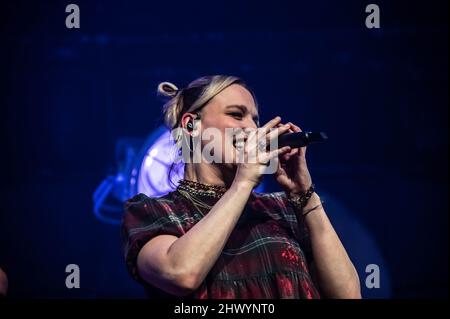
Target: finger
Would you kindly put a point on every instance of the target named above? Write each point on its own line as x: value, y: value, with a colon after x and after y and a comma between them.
x: 290, y: 128
x: 295, y: 127
x: 272, y: 123
x: 278, y: 152
x: 263, y: 139
x: 265, y: 158
x: 274, y: 133
x: 302, y: 150
x: 285, y: 157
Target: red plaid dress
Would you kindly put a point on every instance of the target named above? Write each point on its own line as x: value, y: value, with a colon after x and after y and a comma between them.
x: 266, y: 256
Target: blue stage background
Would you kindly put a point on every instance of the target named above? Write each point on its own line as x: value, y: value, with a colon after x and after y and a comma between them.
x: 69, y: 95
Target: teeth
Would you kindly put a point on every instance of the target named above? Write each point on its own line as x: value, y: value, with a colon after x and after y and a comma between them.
x: 239, y: 144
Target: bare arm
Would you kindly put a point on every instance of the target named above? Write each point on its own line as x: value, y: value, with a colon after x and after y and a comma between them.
x: 336, y: 275
x: 179, y: 265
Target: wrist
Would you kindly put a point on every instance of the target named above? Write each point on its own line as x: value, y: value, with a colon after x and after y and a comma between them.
x: 313, y: 204
x: 243, y: 185
x: 299, y: 189
x: 300, y: 199
x: 314, y: 200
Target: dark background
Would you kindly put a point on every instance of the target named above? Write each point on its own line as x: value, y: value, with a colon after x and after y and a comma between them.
x: 68, y: 95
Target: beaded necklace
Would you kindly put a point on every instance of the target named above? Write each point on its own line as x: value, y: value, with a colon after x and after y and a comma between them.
x: 190, y: 190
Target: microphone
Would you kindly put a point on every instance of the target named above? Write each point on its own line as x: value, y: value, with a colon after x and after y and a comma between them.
x: 300, y: 139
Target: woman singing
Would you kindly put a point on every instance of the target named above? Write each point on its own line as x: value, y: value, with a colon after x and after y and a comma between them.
x: 214, y: 236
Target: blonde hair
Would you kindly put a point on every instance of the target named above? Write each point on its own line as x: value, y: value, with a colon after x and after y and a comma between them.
x: 190, y: 99
x: 193, y: 98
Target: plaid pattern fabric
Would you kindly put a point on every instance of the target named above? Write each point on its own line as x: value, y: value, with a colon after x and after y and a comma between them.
x: 266, y: 255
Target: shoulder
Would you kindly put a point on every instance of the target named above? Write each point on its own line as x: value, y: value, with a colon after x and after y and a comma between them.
x: 144, y: 203
x: 146, y: 217
x: 142, y: 209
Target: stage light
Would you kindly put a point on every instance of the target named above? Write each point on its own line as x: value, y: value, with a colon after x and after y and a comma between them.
x: 143, y: 167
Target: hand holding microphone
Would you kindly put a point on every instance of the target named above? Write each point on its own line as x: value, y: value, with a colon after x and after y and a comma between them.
x: 293, y: 174
x: 301, y: 139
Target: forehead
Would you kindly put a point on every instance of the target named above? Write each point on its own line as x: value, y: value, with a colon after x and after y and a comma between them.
x: 235, y: 94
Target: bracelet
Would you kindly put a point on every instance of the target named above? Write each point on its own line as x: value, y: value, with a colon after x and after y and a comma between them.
x: 299, y: 201
x: 312, y: 209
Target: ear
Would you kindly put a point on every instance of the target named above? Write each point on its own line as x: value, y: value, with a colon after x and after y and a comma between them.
x: 190, y: 118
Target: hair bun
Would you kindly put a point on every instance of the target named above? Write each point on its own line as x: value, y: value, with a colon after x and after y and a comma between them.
x: 167, y: 89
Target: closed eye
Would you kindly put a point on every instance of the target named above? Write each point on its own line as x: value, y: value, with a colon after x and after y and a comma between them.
x: 236, y: 114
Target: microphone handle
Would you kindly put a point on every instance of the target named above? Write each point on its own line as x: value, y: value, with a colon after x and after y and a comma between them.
x: 301, y: 139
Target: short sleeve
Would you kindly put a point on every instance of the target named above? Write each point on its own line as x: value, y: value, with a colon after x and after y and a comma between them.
x: 144, y: 219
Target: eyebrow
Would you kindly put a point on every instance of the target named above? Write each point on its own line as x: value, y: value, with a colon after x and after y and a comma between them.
x: 244, y: 109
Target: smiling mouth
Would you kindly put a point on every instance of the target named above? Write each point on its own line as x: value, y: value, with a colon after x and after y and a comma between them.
x: 239, y: 143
